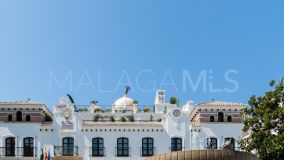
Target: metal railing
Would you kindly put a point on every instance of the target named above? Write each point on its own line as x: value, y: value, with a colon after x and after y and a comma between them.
x: 18, y: 152
x: 65, y: 151
x: 97, y: 151
x: 122, y: 151
x: 147, y: 151
x: 174, y: 149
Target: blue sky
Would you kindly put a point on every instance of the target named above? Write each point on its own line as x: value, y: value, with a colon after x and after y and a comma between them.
x: 109, y: 43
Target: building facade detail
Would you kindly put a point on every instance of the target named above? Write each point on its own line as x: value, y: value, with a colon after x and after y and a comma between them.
x: 121, y: 131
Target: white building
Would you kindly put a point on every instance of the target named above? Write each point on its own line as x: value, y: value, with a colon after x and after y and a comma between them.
x: 122, y: 132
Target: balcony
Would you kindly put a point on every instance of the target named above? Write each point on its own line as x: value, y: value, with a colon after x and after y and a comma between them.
x: 97, y: 151
x: 147, y: 151
x: 18, y: 152
x: 122, y: 151
x: 60, y: 151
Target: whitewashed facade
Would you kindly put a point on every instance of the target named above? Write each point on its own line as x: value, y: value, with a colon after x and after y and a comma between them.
x: 27, y: 127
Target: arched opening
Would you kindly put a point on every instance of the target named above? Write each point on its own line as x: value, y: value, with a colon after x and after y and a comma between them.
x: 68, y: 146
x: 212, y: 118
x: 220, y: 117
x: 19, y: 116
x: 10, y: 146
x: 229, y: 119
x: 176, y: 144
x: 29, y: 147
x: 28, y: 118
x: 212, y: 143
x: 98, y: 147
x: 10, y: 118
x: 229, y: 143
x: 147, y: 146
x: 122, y: 149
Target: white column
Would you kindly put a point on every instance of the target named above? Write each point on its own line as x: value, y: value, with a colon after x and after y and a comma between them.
x: 35, y: 149
x: 17, y: 145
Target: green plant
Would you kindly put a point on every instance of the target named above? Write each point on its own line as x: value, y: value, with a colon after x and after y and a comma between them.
x: 173, y: 100
x: 151, y: 117
x: 97, y: 110
x: 146, y: 109
x: 82, y: 109
x: 111, y: 118
x: 135, y: 102
x: 97, y: 117
x: 265, y: 123
x: 94, y: 102
x: 122, y: 119
x: 159, y: 119
x: 130, y: 118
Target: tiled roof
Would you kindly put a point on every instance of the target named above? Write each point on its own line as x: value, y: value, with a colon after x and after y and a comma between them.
x: 16, y: 103
x: 220, y: 103
x: 21, y: 103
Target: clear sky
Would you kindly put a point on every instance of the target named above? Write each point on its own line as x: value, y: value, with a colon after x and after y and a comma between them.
x: 98, y: 46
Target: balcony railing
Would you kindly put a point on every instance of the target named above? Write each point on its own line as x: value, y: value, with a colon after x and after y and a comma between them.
x: 122, y: 151
x: 18, y: 152
x: 174, y: 149
x: 65, y: 151
x: 97, y: 151
x: 147, y: 151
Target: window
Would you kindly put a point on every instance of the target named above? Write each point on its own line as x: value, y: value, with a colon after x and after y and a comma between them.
x: 220, y: 117
x: 19, y: 116
x: 28, y: 118
x: 229, y: 119
x: 10, y: 146
x: 10, y: 117
x: 68, y: 146
x: 230, y: 142
x: 176, y: 144
x: 122, y: 147
x: 212, y: 143
x: 212, y: 119
x: 98, y: 147
x: 147, y: 147
x: 28, y: 147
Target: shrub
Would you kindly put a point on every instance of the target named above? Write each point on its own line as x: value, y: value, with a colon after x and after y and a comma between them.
x: 146, y: 109
x: 159, y: 119
x: 130, y: 118
x: 94, y: 102
x: 97, y: 117
x: 135, y: 102
x: 173, y: 100
x: 122, y: 119
x: 111, y: 118
x: 97, y: 110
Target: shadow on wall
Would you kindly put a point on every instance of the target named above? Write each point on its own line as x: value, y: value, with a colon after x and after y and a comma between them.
x: 211, y: 154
